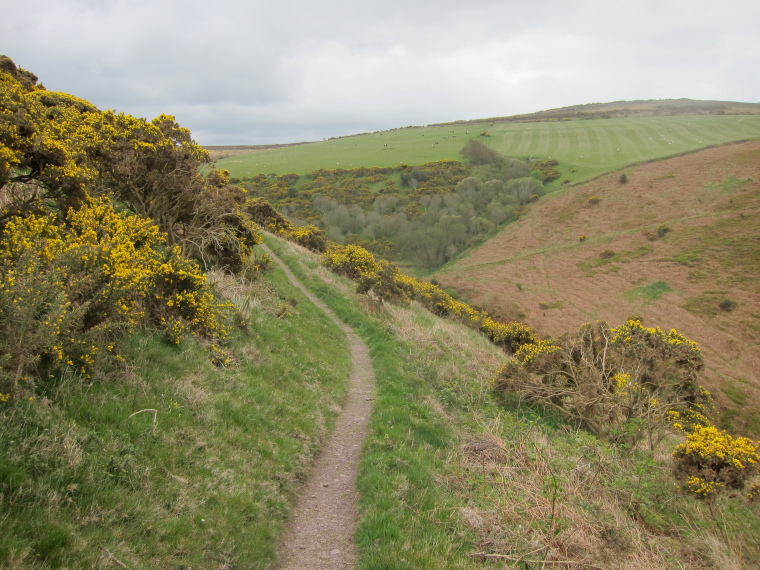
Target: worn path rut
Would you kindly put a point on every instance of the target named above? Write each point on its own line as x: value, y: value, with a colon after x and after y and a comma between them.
x: 320, y: 533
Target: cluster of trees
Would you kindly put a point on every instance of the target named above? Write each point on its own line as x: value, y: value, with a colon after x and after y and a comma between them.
x: 422, y: 214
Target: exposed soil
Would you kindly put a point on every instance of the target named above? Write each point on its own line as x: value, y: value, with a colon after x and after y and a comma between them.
x: 546, y: 269
x: 320, y: 534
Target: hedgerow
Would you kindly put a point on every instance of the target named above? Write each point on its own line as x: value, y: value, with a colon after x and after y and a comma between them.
x: 384, y: 280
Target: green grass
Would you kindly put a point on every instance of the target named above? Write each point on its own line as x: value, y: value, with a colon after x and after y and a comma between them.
x: 208, y: 480
x: 729, y: 184
x: 688, y: 258
x: 173, y: 463
x: 588, y: 266
x: 705, y: 304
x: 406, y: 518
x: 736, y: 394
x: 730, y: 243
x: 648, y: 293
x: 430, y: 499
x: 590, y: 147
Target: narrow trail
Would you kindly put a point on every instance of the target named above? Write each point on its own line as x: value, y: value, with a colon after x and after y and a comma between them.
x: 320, y: 533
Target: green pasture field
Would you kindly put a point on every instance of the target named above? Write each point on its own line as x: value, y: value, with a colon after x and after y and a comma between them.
x: 591, y: 147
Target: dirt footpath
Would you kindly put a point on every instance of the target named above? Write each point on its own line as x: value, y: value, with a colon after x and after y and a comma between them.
x: 320, y: 534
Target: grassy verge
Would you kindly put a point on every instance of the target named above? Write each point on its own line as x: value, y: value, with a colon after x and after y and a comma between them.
x: 454, y: 476
x: 171, y: 462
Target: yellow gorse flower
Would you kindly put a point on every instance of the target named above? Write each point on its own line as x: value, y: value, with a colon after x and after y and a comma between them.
x: 110, y: 268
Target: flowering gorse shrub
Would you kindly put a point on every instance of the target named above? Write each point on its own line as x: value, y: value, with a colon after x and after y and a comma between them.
x: 70, y: 287
x: 619, y: 383
x: 383, y: 280
x: 711, y: 460
x: 659, y: 349
x: 353, y: 261
x: 384, y: 284
x: 310, y: 237
x: 57, y: 149
x: 509, y: 336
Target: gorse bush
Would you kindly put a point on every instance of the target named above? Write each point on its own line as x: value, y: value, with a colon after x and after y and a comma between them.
x: 352, y: 261
x: 57, y: 149
x: 619, y: 383
x: 510, y: 336
x: 385, y: 284
x: 384, y: 280
x: 71, y: 287
x: 711, y: 460
x: 104, y: 219
x: 266, y: 216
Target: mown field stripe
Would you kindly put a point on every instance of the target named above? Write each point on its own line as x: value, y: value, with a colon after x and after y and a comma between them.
x: 665, y: 136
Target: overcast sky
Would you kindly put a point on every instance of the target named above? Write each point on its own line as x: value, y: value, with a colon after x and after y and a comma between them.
x: 255, y: 71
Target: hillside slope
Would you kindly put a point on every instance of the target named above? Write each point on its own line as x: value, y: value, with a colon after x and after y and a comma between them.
x: 456, y: 475
x: 549, y: 269
x: 584, y: 148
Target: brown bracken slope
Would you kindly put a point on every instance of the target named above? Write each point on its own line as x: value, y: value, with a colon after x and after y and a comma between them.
x: 673, y: 244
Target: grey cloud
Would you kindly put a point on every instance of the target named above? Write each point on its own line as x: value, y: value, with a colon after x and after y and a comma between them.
x: 240, y: 71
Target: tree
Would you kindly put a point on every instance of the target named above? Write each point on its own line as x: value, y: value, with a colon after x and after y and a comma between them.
x: 478, y: 153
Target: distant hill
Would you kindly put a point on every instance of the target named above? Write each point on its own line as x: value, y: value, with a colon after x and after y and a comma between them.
x: 220, y: 152
x: 678, y: 245
x: 638, y: 108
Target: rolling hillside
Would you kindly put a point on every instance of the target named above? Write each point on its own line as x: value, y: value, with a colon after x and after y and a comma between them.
x: 678, y: 245
x: 540, y: 272
x: 587, y: 142
x: 167, y: 385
